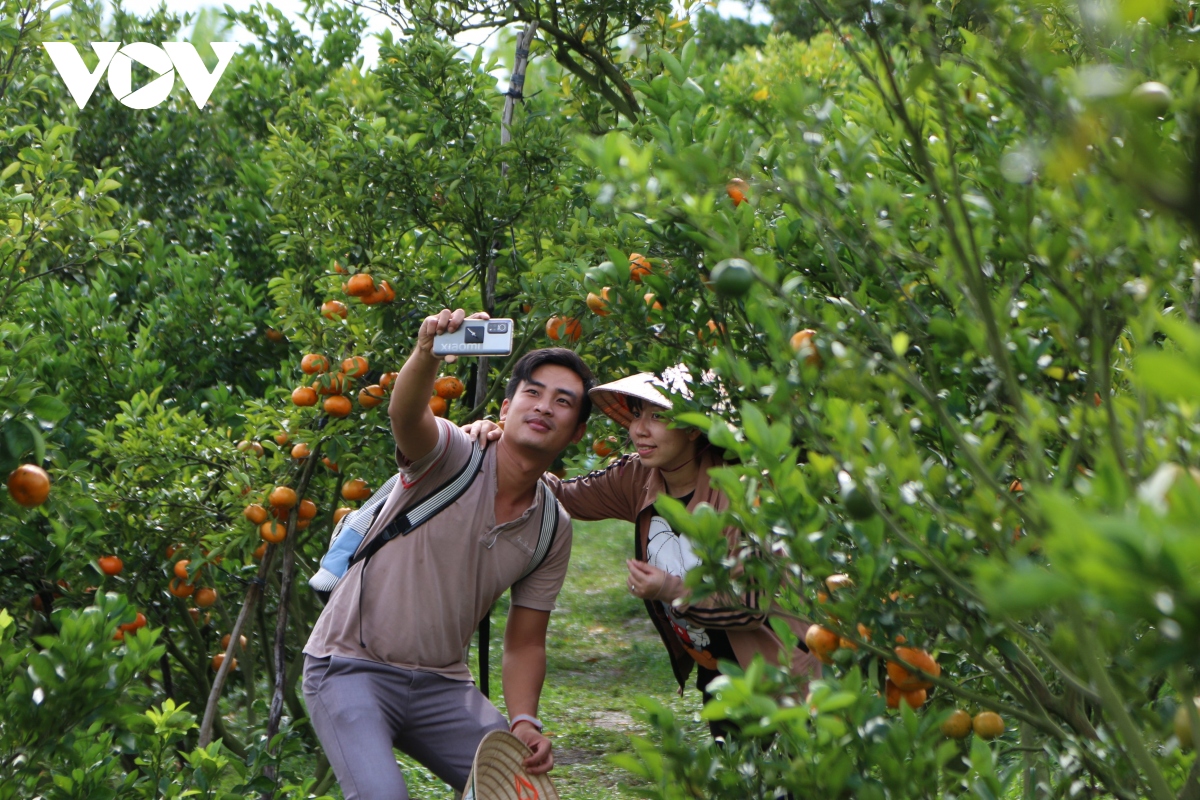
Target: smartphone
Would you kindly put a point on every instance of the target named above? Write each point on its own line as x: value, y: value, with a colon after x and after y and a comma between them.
x: 476, y: 337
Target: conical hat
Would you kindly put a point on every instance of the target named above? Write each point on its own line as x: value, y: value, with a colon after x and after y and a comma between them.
x: 611, y: 398
x: 498, y: 774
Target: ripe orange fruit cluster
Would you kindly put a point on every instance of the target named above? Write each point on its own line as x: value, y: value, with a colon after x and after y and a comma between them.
x: 241, y: 642
x: 219, y: 659
x: 986, y: 725
x: 598, y: 303
x: 902, y: 684
x: 914, y: 698
x: 363, y: 287
x: 445, y: 389
x: 335, y: 386
x: 567, y: 328
x: 129, y: 627
x: 250, y: 448
x: 605, y: 447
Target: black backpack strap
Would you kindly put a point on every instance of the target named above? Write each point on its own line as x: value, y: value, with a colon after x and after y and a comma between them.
x: 437, y: 501
x: 547, y: 533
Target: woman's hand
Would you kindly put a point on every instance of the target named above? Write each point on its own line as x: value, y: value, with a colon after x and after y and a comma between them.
x: 483, y: 431
x: 652, y: 583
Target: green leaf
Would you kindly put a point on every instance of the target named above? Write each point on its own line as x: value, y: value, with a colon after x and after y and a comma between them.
x: 39, y: 442
x: 48, y: 407
x: 672, y: 64
x: 1168, y: 375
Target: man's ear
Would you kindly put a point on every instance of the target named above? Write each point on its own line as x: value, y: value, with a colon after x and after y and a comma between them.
x: 503, y: 409
x: 693, y: 434
x: 580, y: 430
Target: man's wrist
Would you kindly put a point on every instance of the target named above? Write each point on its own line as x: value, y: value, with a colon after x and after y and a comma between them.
x: 529, y: 718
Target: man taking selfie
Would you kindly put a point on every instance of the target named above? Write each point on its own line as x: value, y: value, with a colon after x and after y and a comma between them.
x: 384, y: 664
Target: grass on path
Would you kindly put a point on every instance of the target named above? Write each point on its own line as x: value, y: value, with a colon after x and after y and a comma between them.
x: 602, y: 653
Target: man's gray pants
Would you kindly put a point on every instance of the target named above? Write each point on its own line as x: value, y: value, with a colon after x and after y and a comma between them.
x: 362, y: 709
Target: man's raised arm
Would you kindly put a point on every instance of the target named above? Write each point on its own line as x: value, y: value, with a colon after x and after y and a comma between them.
x: 413, y: 423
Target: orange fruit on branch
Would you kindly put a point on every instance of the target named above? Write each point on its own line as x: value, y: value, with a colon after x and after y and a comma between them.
x: 371, y: 396
x: 282, y: 438
x: 639, y: 267
x: 988, y: 725
x: 564, y: 328
x: 332, y: 383
x: 301, y: 450
x: 360, y: 285
x: 261, y: 550
x: 448, y: 387
x: 738, y: 190
x: 241, y: 642
x: 274, y: 335
x: 906, y: 680
x: 255, y: 513
x: 650, y: 301
x: 572, y: 329
x: 387, y: 379
x: 273, y: 532
x: 206, y: 597
x: 356, y: 489
x: 252, y: 448
x: 821, y: 642
x: 314, y: 364
x: 180, y: 588
x: 138, y: 622
x: 598, y: 303
x: 29, y: 485
x: 803, y: 347
x: 110, y: 565
x: 438, y: 405
x: 604, y: 447
x: 895, y: 695
x: 386, y: 290
x: 308, y: 509
x: 282, y: 497
x: 304, y: 396
x: 957, y: 725
x: 338, y: 405
x: 332, y: 309
x: 355, y: 366
x: 181, y: 569
x: 329, y: 465
x: 341, y: 512
x: 219, y: 659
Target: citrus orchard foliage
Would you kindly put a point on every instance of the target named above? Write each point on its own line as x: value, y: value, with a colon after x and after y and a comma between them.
x: 939, y: 261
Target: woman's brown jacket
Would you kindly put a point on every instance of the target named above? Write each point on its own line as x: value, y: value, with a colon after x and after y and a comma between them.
x: 627, y: 490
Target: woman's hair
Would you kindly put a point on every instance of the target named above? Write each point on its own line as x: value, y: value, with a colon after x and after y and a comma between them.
x: 636, y: 405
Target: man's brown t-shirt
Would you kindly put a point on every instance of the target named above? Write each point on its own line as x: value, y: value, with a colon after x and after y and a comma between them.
x: 425, y: 593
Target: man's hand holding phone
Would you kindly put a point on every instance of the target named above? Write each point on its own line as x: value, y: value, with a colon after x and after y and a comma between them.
x: 439, y: 325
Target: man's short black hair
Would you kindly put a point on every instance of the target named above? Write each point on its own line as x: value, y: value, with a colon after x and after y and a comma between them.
x: 562, y: 357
